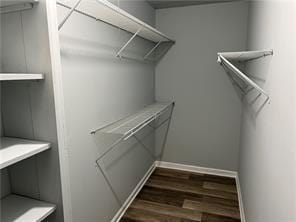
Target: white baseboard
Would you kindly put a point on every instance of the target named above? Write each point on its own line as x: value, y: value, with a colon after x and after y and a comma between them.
x: 240, y: 199
x: 133, y: 195
x: 177, y: 166
x: 196, y: 169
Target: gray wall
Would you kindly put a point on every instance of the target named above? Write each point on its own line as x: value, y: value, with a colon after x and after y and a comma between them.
x: 28, y: 106
x: 205, y: 129
x: 99, y: 89
x: 267, y: 156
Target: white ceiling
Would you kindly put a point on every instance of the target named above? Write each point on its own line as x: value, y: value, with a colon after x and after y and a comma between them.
x: 159, y: 4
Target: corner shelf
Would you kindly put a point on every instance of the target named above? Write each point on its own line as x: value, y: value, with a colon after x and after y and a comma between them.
x: 13, y: 150
x: 226, y: 59
x: 7, y: 6
x: 17, y: 208
x: 20, y: 76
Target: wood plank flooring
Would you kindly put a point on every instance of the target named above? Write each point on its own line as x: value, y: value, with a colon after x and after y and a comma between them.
x: 181, y: 196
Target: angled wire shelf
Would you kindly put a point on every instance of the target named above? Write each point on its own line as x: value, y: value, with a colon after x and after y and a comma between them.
x: 109, y: 13
x: 113, y: 134
x: 226, y: 59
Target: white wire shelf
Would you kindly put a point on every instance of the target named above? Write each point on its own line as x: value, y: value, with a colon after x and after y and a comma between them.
x: 246, y: 55
x: 226, y: 59
x: 112, y: 134
x: 132, y: 124
x: 13, y: 150
x: 107, y: 12
x: 20, y: 76
x: 20, y: 209
x: 7, y: 6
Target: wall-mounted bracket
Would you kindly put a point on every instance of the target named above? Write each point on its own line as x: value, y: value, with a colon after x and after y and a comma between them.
x: 69, y: 14
x: 152, y: 50
x: 118, y: 54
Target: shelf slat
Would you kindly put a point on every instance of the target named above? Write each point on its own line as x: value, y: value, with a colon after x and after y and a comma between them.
x: 19, y: 209
x: 13, y: 150
x: 20, y: 76
x: 105, y: 11
x: 245, y: 55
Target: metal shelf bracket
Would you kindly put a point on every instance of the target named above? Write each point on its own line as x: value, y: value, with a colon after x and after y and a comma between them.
x: 69, y: 14
x: 118, y: 54
x: 152, y: 50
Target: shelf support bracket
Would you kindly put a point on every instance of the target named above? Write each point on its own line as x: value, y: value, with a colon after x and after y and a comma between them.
x: 118, y: 54
x: 152, y: 50
x: 69, y: 14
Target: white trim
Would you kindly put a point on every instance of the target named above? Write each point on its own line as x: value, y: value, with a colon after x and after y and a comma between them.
x: 197, y: 169
x: 240, y: 199
x: 133, y: 195
x: 55, y: 57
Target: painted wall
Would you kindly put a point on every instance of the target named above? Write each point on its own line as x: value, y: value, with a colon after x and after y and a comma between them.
x: 98, y: 89
x: 28, y: 106
x: 205, y: 129
x: 267, y: 155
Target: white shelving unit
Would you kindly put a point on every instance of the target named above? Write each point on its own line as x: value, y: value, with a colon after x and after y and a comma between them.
x: 226, y: 59
x: 13, y: 150
x: 20, y: 209
x: 7, y: 6
x: 20, y: 76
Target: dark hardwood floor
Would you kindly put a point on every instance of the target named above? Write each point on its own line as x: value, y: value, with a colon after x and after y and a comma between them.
x: 180, y: 196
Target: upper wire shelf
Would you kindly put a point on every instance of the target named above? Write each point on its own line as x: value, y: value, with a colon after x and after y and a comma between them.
x: 226, y: 59
x: 107, y: 12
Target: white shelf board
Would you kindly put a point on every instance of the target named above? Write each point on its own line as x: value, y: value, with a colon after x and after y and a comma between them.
x: 13, y: 150
x: 8, y: 3
x: 136, y: 121
x: 245, y: 55
x: 105, y: 11
x: 20, y: 76
x: 21, y: 209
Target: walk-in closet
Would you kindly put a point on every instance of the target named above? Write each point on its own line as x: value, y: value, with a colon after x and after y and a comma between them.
x: 148, y: 110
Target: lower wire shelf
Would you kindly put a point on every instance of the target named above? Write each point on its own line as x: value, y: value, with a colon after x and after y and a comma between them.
x: 112, y: 134
x: 19, y: 209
